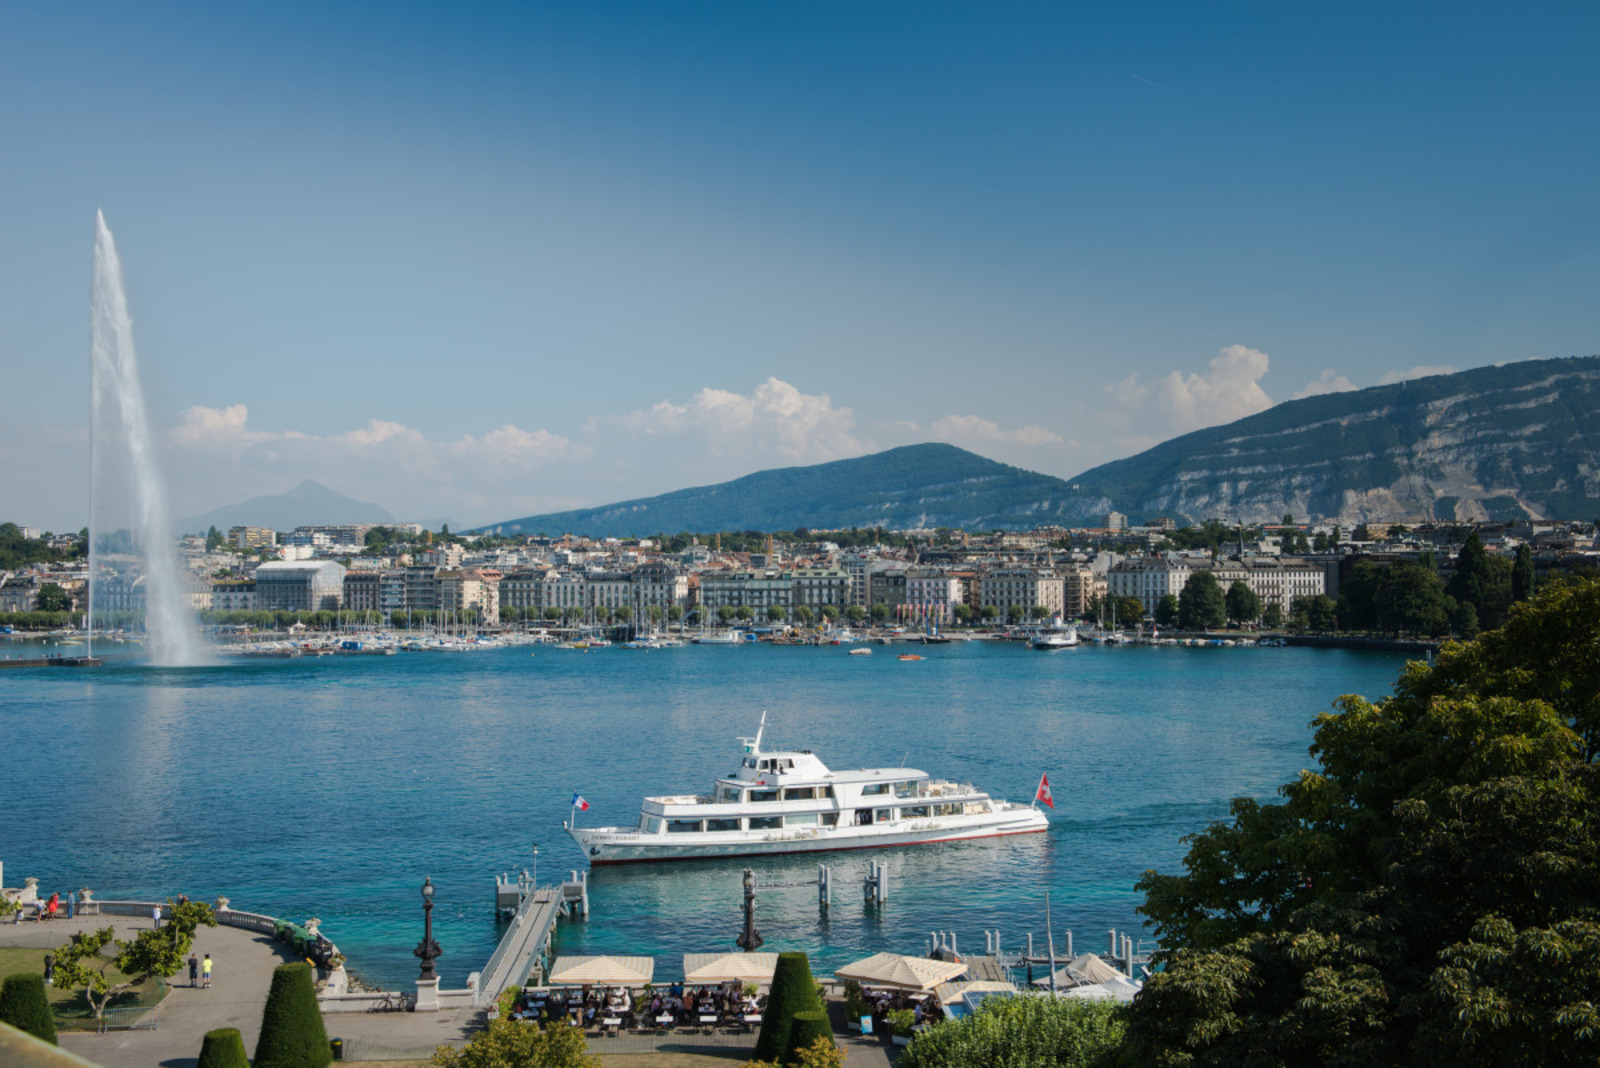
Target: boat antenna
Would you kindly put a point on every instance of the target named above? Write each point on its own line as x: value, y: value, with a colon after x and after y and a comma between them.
x: 753, y: 745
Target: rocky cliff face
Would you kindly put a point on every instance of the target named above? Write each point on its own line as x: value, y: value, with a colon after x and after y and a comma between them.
x: 1520, y: 440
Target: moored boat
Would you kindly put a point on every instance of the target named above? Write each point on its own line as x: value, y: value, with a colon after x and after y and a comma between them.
x: 788, y: 801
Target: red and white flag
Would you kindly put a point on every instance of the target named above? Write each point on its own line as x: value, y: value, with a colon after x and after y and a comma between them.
x: 583, y: 806
x: 1043, y: 793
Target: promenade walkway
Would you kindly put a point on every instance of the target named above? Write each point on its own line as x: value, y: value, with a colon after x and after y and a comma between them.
x: 244, y: 962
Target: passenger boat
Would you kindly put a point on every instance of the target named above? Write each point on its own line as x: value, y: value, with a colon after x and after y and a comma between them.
x: 788, y: 801
x: 1054, y: 636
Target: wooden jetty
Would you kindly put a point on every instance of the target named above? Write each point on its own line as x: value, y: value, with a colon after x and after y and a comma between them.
x: 527, y: 942
x: 53, y: 661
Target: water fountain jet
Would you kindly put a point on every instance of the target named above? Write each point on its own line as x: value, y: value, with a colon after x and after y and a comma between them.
x: 131, y: 543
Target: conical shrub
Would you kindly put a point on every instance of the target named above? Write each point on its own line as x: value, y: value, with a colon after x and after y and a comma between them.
x: 292, y: 1035
x: 792, y: 991
x: 24, y: 1006
x: 222, y: 1048
x: 807, y: 1027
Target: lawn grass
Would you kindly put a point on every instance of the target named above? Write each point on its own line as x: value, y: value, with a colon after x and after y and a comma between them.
x: 71, y: 1009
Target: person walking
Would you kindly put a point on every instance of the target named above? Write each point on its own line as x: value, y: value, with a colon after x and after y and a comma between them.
x: 155, y: 915
x: 205, y: 973
x: 194, y: 970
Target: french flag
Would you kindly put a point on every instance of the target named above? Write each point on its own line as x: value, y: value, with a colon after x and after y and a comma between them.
x: 579, y: 803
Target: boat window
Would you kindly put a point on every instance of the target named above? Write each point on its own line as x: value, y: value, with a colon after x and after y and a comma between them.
x: 914, y: 812
x: 749, y: 762
x: 863, y: 817
x: 977, y: 806
x: 763, y: 795
x: 722, y: 825
x: 827, y: 791
x: 830, y: 819
x: 728, y: 795
x: 652, y: 826
x: 682, y: 826
x: 873, y: 789
x: 765, y: 823
x: 799, y: 793
x: 788, y: 765
x: 905, y: 789
x: 882, y: 815
x: 947, y: 810
x: 807, y: 820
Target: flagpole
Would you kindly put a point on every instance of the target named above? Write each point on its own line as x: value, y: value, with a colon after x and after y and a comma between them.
x: 1050, y: 942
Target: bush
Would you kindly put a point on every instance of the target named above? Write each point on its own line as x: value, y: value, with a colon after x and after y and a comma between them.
x: 24, y: 1006
x: 1023, y: 1030
x: 792, y: 991
x: 821, y: 1053
x: 510, y: 1042
x: 292, y: 1035
x: 808, y: 1027
x: 222, y: 1048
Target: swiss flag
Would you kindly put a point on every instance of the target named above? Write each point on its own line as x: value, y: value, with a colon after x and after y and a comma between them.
x: 1043, y: 793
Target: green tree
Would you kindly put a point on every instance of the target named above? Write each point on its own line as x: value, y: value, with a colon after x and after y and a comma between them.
x: 1129, y: 609
x: 1427, y: 897
x: 214, y: 540
x: 674, y: 613
x: 726, y: 612
x: 1022, y: 1031
x: 222, y: 1048
x: 990, y: 613
x: 52, y: 598
x: 880, y: 613
x: 1411, y: 598
x: 508, y: 1043
x: 161, y: 951
x: 746, y: 613
x: 1201, y: 603
x: 80, y: 963
x: 1482, y: 581
x: 1243, y: 606
x: 963, y: 613
x: 1358, y: 597
x: 1522, y: 575
x: 292, y: 1034
x: 1272, y: 616
x: 1039, y: 611
x: 792, y: 991
x: 803, y: 614
x: 855, y: 613
x: 623, y: 613
x: 23, y: 1005
x: 775, y: 613
x: 1167, y: 611
x: 1014, y: 613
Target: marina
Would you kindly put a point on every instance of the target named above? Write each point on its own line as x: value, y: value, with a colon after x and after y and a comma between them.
x: 328, y: 786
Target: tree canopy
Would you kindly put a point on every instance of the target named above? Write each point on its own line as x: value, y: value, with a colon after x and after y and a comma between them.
x: 1430, y: 896
x: 1201, y: 603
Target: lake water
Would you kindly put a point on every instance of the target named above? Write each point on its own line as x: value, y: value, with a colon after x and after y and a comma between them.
x: 330, y: 787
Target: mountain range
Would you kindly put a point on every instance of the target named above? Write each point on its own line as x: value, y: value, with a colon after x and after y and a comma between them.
x: 308, y: 504
x: 1505, y: 442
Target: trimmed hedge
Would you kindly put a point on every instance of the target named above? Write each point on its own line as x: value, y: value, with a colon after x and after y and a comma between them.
x: 793, y: 990
x: 807, y: 1027
x: 24, y: 1006
x: 292, y: 1035
x: 222, y: 1048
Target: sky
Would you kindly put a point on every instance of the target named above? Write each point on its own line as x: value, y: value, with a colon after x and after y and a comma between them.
x: 479, y: 261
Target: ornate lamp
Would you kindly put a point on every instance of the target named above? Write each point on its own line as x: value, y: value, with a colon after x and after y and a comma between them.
x: 428, y: 950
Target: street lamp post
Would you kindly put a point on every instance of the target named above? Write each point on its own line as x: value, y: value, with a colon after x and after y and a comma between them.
x: 427, y: 949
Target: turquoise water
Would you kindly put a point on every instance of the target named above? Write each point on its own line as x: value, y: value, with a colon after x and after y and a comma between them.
x: 330, y: 787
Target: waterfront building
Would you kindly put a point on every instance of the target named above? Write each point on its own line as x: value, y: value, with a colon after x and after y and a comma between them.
x: 758, y: 590
x: 299, y: 585
x: 887, y: 583
x: 1081, y: 583
x: 1025, y: 588
x: 818, y: 587
x: 469, y: 590
x: 523, y: 590
x: 932, y: 594
x: 1149, y: 578
x: 362, y: 590
x: 659, y: 585
x: 18, y: 593
x: 421, y: 589
x: 233, y: 595
x: 858, y: 567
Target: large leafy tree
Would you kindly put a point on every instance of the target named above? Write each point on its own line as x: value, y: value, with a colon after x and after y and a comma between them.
x: 1201, y: 603
x: 1430, y: 896
x: 1244, y: 606
x: 1482, y: 581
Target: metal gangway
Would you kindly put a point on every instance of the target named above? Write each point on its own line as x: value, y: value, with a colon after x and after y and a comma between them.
x: 531, y: 932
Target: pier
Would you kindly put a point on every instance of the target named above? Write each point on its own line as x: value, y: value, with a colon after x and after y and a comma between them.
x: 526, y: 943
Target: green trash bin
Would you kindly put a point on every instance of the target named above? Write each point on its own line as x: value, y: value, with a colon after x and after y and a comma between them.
x: 337, y: 1045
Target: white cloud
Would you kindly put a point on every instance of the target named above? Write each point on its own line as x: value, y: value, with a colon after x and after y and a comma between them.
x: 1327, y: 382
x: 221, y: 459
x: 974, y: 429
x: 1420, y: 371
x: 776, y: 420
x: 1229, y: 389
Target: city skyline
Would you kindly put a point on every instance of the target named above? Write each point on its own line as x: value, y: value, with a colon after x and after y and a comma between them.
x: 510, y: 260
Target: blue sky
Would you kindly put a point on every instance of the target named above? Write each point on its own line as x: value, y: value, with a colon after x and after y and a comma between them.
x: 475, y: 261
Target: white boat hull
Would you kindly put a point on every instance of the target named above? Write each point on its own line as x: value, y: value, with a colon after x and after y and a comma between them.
x: 614, y: 845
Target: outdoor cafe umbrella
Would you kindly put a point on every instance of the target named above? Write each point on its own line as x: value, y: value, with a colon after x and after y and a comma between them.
x: 1086, y: 968
x: 729, y: 967
x: 605, y: 970
x: 906, y: 973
